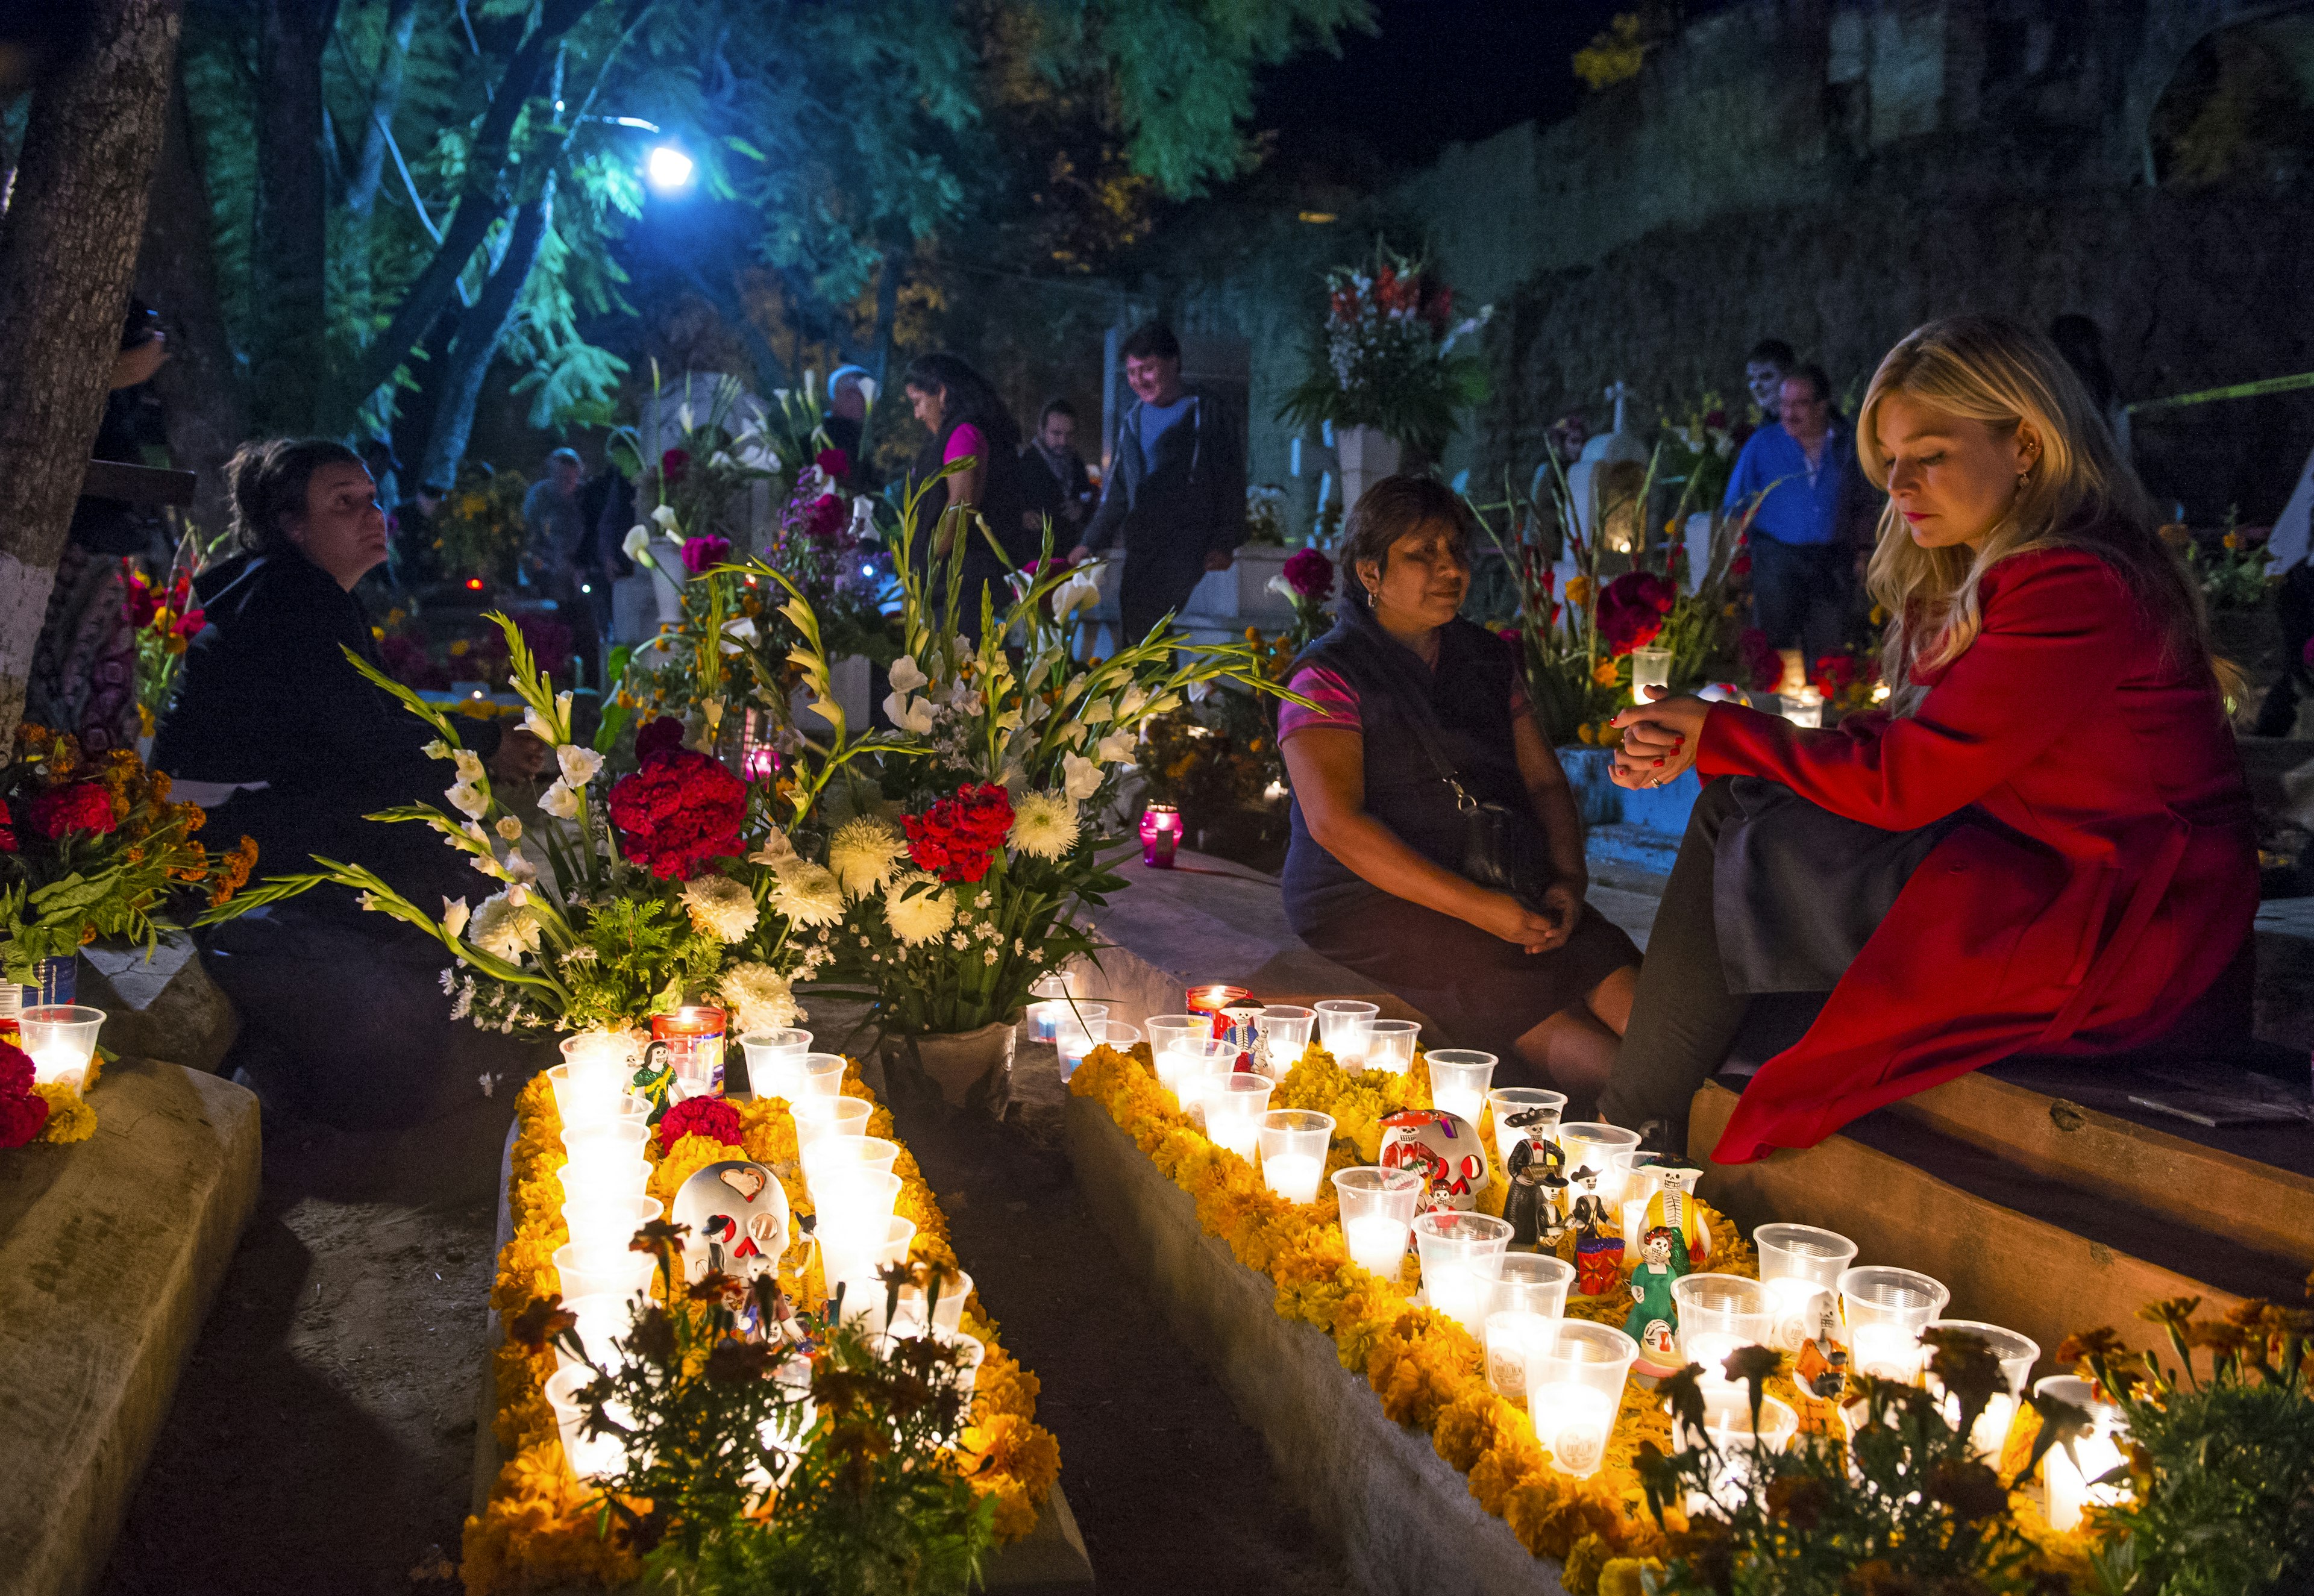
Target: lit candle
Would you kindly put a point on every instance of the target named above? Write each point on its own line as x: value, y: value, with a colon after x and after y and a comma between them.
x: 2070, y: 1489
x: 1294, y: 1176
x: 1635, y: 1220
x: 1161, y: 835
x: 1800, y: 1308
x: 1211, y: 1001
x: 1571, y: 1421
x: 1458, y: 1292
x: 59, y: 1062
x: 1377, y: 1244
x: 1888, y: 1352
x: 1710, y: 1350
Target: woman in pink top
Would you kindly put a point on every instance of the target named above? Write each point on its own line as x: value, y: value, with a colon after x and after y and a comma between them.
x: 967, y: 423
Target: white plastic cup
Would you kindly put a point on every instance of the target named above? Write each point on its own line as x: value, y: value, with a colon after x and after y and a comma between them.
x: 1512, y: 1334
x: 1077, y: 1035
x: 771, y: 1054
x: 2071, y: 1488
x: 947, y: 1312
x: 591, y: 1456
x: 1503, y: 1101
x: 1532, y: 1283
x: 1727, y: 1424
x: 1885, y: 1310
x: 1168, y: 1031
x: 1390, y: 1045
x: 1234, y: 1106
x: 610, y: 1139
x: 1459, y: 1079
x: 1801, y: 1265
x: 829, y: 1157
x: 584, y: 1094
x: 594, y: 1182
x: 1460, y: 1251
x: 1594, y: 1143
x: 1343, y: 1028
x: 1284, y: 1030
x: 598, y: 1222
x: 815, y: 1117
x: 1117, y: 1034
x: 1186, y: 1061
x: 1574, y: 1390
x: 601, y: 1317
x: 597, y: 1271
x: 1377, y: 1209
x: 2018, y: 1354
x: 1293, y: 1142
x: 1719, y: 1315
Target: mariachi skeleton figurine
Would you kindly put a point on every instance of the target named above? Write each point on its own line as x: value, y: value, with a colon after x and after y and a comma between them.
x: 1654, y: 1320
x: 1532, y: 1150
x: 1598, y: 1237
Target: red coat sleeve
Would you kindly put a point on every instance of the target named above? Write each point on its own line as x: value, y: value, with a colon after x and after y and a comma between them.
x: 2059, y: 632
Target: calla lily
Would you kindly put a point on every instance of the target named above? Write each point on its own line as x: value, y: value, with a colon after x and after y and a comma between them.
x: 637, y: 546
x: 867, y: 391
x: 664, y: 515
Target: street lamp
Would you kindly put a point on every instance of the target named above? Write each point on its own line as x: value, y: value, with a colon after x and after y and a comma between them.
x: 668, y: 168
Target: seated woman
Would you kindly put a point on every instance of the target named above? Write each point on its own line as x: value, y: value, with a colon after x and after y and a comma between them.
x: 1371, y: 874
x: 281, y: 737
x: 2043, y: 844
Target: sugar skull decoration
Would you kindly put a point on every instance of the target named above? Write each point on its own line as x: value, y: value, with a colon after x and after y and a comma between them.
x: 738, y: 1219
x: 1442, y: 1148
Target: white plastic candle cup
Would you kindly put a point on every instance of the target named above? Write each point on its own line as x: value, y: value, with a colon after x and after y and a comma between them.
x: 1719, y: 1314
x: 1531, y: 1283
x: 1185, y: 1060
x: 1801, y: 1265
x: 1594, y: 1144
x: 591, y: 1456
x: 612, y: 1053
x: 2018, y: 1354
x: 602, y: 1181
x: 1390, y: 1045
x: 1078, y: 1035
x: 1117, y: 1034
x: 967, y: 1351
x: 1651, y: 667
x: 1575, y: 1377
x: 1885, y: 1310
x: 601, y: 1317
x: 1459, y: 1252
x: 820, y: 1075
x: 1343, y: 1028
x: 596, y: 1224
x: 852, y: 1220
x: 1234, y: 1106
x: 830, y: 1156
x: 897, y: 1240
x: 2069, y: 1488
x: 584, y: 1095
x: 1503, y: 1101
x: 1459, y: 1079
x: 828, y: 1117
x: 591, y: 1272
x: 1641, y: 1183
x: 611, y: 1139
x: 1052, y: 994
x: 1293, y: 1142
x: 1511, y: 1335
x: 771, y: 1057
x: 1168, y: 1031
x: 1284, y: 1029
x: 61, y: 1038
x: 1727, y: 1424
x: 1377, y: 1208
x: 948, y: 1309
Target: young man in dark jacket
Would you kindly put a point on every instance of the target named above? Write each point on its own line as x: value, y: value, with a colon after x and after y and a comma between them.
x: 1175, y: 491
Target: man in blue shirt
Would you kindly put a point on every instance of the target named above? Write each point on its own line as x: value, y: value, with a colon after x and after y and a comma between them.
x: 1806, y: 536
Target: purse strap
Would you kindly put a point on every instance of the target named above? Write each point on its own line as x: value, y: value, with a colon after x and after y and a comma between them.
x: 1420, y: 715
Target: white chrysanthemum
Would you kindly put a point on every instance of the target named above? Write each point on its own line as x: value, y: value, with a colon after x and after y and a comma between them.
x: 761, y: 999
x: 468, y: 798
x: 809, y: 894
x: 504, y: 929
x: 863, y: 853
x: 1044, y: 824
x: 579, y: 764
x: 918, y: 909
x: 720, y: 908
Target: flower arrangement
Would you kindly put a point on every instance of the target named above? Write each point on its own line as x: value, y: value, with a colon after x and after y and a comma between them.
x: 92, y: 849
x: 479, y: 532
x: 716, y: 454
x: 540, y: 1526
x: 162, y: 613
x: 1264, y: 515
x: 1386, y: 355
x: 2232, y: 575
x: 1306, y: 582
x: 1699, y: 451
x: 677, y: 885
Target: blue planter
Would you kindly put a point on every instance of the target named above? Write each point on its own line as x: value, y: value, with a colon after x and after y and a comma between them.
x: 60, y: 983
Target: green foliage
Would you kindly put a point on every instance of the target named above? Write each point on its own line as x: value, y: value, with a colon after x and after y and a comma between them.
x: 635, y: 956
x: 2233, y: 576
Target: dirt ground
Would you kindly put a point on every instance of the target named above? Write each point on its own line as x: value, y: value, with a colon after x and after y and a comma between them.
x: 321, y: 1440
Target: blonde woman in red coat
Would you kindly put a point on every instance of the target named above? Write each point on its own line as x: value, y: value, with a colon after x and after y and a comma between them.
x: 2044, y: 845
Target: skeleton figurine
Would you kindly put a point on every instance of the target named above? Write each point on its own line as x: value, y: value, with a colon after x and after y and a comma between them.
x: 1675, y: 1208
x: 1654, y: 1320
x: 1598, y: 1237
x: 1533, y: 1150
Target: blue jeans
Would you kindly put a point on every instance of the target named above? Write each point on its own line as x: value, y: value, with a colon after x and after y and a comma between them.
x: 1800, y: 594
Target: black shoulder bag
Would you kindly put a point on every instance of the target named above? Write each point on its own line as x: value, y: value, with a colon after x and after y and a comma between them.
x: 1503, y: 849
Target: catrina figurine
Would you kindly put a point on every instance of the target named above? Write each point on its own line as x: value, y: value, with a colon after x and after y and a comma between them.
x: 1654, y: 1320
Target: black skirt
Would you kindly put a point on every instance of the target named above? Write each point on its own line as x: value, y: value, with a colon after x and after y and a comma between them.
x: 1476, y: 990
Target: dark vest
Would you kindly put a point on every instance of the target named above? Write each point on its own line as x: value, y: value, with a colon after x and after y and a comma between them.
x: 1465, y: 702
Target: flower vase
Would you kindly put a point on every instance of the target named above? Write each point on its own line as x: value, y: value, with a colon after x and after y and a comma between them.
x: 59, y: 983
x: 968, y: 1066
x: 1367, y: 454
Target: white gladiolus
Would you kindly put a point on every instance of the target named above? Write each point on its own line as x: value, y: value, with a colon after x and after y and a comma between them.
x: 906, y: 675
x: 775, y: 852
x: 1045, y: 825
x: 720, y: 908
x: 469, y: 763
x: 536, y: 725
x: 918, y: 909
x: 1080, y: 777
x: 864, y: 853
x: 579, y: 765
x: 504, y: 929
x: 1080, y: 591
x: 807, y: 894
x: 1114, y: 748
x: 468, y: 799
x: 455, y: 914
x: 437, y: 749
x: 560, y: 800
x: 509, y: 828
x: 909, y: 714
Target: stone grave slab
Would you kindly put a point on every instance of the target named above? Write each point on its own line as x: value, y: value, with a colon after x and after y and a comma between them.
x: 1404, y: 1520
x: 112, y: 1251
x: 163, y: 1006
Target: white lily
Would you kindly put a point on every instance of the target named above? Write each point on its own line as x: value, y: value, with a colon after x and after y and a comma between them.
x: 579, y: 765
x: 560, y: 800
x: 906, y: 675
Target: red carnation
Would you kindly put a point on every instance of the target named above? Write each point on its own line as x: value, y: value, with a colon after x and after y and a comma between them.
x: 661, y: 736
x: 698, y: 1116
x: 705, y: 552
x: 190, y: 622
x: 835, y: 462
x: 82, y: 806
x: 679, y: 811
x: 823, y: 517
x: 21, y: 1114
x: 957, y: 838
x: 672, y: 464
x: 1631, y: 610
x: 1309, y: 574
x: 1763, y: 667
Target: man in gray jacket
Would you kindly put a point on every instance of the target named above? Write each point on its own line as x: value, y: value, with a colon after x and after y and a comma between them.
x: 1175, y: 491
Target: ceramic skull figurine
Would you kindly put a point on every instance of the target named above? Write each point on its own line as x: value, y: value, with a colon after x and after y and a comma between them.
x: 1444, y: 1149
x: 737, y: 1217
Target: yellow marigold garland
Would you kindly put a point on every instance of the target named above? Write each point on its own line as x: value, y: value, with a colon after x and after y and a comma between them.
x: 1429, y: 1371
x: 538, y: 1531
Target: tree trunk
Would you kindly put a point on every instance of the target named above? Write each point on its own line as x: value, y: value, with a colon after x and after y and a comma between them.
x: 887, y: 322
x: 203, y: 400
x: 369, y: 167
x: 67, y: 247
x: 480, y: 330
x: 290, y: 240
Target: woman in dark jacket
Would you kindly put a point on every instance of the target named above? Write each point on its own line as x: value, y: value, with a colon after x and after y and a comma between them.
x: 968, y: 422
x: 1371, y: 874
x: 279, y: 735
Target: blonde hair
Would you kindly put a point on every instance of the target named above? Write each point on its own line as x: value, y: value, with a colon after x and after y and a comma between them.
x: 2077, y: 493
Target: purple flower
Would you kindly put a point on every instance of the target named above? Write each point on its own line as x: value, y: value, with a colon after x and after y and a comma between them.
x: 1309, y: 574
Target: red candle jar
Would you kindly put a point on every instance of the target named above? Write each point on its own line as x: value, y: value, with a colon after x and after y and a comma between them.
x: 692, y: 1039
x: 1160, y: 835
x: 1214, y: 1002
